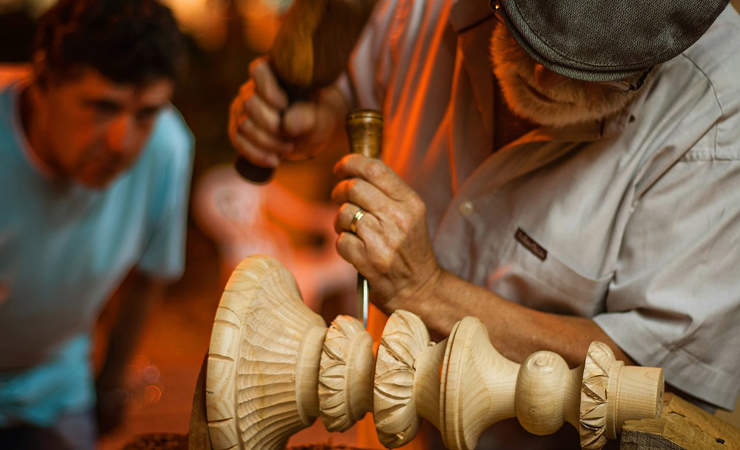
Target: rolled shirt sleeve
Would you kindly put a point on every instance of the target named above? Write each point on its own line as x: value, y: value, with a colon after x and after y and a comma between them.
x: 675, y: 298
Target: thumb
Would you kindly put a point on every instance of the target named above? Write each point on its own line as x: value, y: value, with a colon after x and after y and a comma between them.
x: 300, y: 119
x: 313, y: 121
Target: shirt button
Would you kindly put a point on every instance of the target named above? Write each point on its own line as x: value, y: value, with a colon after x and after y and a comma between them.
x: 466, y: 208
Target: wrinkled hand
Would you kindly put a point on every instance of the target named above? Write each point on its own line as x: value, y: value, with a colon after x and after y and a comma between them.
x: 264, y: 128
x: 391, y: 247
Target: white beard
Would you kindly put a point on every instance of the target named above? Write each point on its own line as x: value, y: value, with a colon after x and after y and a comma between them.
x: 570, y: 102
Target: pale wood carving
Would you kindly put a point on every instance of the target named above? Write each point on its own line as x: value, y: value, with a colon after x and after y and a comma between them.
x: 265, y: 362
x: 681, y: 426
x: 602, y: 413
x: 475, y: 387
x: 274, y: 367
x: 345, y: 379
x: 479, y: 385
x: 406, y: 379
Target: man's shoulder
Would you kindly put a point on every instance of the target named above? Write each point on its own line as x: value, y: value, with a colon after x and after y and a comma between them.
x: 716, y: 56
x: 168, y: 154
x: 171, y: 131
x: 171, y: 138
x: 693, y: 105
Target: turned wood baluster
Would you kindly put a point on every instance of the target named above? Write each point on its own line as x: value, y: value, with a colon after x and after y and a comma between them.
x: 474, y: 387
x: 274, y: 367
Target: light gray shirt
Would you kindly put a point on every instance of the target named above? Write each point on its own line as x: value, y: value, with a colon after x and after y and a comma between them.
x: 633, y: 221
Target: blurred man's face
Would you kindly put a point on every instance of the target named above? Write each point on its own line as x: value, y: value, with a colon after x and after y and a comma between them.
x: 543, y: 96
x: 93, y: 129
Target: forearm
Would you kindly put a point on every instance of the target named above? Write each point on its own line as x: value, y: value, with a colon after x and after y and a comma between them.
x: 392, y: 249
x: 516, y: 331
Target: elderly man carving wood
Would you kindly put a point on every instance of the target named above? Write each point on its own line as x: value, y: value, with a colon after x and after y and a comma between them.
x: 564, y: 171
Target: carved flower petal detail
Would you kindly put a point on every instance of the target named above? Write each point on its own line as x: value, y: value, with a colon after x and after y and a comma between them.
x: 404, y: 338
x: 260, y: 326
x: 335, y: 373
x: 599, y: 360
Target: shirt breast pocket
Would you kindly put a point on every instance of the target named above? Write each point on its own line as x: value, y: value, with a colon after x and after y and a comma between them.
x: 531, y: 273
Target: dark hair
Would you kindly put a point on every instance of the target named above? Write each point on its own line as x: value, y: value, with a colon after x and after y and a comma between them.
x: 127, y: 41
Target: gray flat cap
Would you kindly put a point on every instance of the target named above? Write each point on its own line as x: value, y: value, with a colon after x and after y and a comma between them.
x: 603, y: 40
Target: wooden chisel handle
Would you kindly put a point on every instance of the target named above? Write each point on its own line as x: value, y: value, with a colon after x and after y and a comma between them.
x: 365, y: 132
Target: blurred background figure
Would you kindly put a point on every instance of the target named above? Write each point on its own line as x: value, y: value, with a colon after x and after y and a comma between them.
x: 94, y: 182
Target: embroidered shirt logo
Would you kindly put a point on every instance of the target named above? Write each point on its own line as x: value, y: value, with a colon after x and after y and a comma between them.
x: 530, y: 244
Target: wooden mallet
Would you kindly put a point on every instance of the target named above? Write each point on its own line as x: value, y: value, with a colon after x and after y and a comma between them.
x: 310, y: 51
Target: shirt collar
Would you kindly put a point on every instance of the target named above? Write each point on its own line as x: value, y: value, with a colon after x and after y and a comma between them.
x: 617, y: 123
x: 580, y: 132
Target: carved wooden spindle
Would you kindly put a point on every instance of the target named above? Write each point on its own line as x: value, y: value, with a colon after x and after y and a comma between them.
x: 268, y: 352
x: 346, y: 376
x: 274, y: 367
x: 406, y: 379
x: 478, y: 387
x: 612, y: 393
x: 263, y: 362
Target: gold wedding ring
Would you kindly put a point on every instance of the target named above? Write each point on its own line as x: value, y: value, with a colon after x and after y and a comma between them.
x: 355, y: 219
